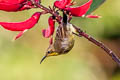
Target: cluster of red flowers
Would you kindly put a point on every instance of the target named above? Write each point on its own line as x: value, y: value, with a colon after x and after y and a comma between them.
x: 20, y: 5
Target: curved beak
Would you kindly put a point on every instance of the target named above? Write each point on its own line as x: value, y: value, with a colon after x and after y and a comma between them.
x: 43, y: 59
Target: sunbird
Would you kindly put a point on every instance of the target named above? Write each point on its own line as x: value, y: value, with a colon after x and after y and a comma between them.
x: 64, y: 39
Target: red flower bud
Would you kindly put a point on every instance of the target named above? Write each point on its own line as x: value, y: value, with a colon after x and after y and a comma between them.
x: 14, y: 5
x: 48, y: 32
x: 61, y: 4
x: 81, y: 10
x: 22, y: 26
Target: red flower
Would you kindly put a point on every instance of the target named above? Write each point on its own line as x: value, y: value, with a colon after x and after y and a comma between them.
x: 22, y: 26
x: 15, y: 5
x: 50, y: 30
x: 75, y: 11
x: 61, y: 4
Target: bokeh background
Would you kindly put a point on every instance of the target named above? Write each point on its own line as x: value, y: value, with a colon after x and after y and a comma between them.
x: 19, y: 60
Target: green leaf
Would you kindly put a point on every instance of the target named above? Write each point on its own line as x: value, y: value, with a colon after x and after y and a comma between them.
x: 95, y: 5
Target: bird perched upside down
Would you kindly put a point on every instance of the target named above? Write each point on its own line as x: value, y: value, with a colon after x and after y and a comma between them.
x: 64, y: 39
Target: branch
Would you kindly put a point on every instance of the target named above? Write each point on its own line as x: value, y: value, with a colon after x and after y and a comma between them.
x: 53, y: 12
x: 98, y: 43
x: 81, y: 33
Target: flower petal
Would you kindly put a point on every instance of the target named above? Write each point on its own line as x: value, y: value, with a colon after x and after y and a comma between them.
x: 81, y: 10
x: 9, y: 7
x: 21, y: 26
x: 93, y: 16
x: 61, y: 4
x: 46, y: 33
x: 27, y: 5
x: 15, y: 5
x: 50, y: 30
x: 12, y: 1
x: 20, y: 34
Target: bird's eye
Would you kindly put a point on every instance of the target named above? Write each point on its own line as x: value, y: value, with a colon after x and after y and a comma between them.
x: 48, y: 52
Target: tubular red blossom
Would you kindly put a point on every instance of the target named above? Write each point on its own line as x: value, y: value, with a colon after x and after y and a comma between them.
x: 93, y: 16
x: 12, y: 1
x: 14, y: 5
x: 50, y: 30
x: 9, y: 7
x: 61, y: 4
x: 21, y: 26
x: 81, y: 10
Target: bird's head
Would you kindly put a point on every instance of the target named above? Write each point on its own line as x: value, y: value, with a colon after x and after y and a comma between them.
x: 50, y: 52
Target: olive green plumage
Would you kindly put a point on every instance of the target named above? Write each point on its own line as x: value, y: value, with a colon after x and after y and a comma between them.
x: 64, y: 39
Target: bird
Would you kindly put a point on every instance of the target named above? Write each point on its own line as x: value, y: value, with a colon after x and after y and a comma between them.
x: 64, y: 39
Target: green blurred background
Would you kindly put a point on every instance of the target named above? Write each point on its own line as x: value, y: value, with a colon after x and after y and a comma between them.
x: 19, y: 60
